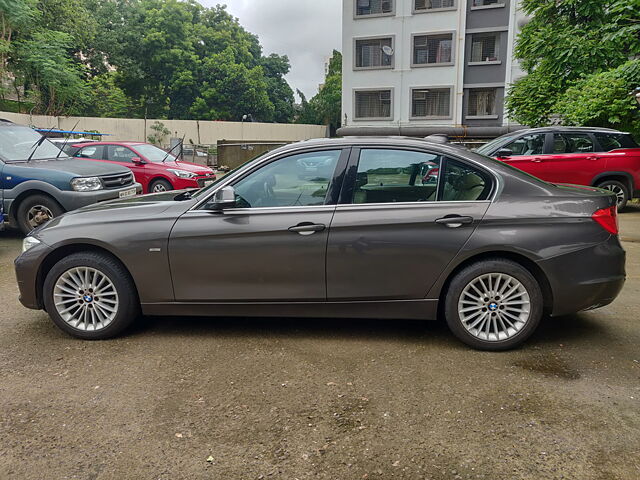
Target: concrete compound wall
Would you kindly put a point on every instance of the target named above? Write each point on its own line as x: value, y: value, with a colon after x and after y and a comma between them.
x: 194, y: 131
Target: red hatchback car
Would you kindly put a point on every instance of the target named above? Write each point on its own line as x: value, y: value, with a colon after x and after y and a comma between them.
x: 598, y: 157
x: 156, y: 170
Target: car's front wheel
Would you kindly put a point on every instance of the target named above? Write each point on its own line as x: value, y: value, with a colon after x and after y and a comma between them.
x: 494, y: 304
x: 90, y: 296
x: 35, y: 210
x: 160, y: 185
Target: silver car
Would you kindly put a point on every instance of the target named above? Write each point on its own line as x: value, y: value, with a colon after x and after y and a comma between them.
x: 387, y: 228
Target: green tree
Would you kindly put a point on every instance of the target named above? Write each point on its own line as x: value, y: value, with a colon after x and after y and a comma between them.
x: 564, y: 43
x: 602, y: 99
x: 325, y: 107
x: 280, y: 93
x: 106, y: 99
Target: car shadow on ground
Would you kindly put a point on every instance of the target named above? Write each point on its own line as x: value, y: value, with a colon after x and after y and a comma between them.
x: 552, y: 331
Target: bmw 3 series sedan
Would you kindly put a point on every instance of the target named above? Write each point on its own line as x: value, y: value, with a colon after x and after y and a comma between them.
x: 379, y: 228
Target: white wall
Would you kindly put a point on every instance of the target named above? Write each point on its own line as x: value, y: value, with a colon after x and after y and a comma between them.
x: 200, y: 132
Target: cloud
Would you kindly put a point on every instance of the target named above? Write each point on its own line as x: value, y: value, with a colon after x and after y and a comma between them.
x: 304, y: 30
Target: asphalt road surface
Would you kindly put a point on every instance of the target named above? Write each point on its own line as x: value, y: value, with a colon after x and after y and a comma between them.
x: 339, y: 399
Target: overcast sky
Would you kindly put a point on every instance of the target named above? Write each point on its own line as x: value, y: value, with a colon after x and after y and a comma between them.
x: 306, y: 31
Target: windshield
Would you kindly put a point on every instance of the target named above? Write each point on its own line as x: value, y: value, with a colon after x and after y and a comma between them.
x: 18, y: 142
x: 488, y: 147
x: 154, y: 154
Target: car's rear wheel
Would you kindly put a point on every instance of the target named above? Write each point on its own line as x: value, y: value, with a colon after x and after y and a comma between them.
x: 91, y: 296
x: 494, y: 304
x: 619, y: 189
x: 35, y: 210
x: 160, y: 185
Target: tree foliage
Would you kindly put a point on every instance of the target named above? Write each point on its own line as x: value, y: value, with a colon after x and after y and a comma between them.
x: 154, y: 58
x: 325, y: 107
x: 570, y: 49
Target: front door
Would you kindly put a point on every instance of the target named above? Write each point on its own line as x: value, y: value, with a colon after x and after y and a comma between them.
x: 401, y: 220
x: 271, y: 246
x: 527, y: 154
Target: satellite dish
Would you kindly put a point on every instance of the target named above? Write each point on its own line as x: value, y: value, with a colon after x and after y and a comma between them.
x: 387, y: 50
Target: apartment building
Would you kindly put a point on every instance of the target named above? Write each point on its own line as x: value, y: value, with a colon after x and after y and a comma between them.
x: 418, y: 67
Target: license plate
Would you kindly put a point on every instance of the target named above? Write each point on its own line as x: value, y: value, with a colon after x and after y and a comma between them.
x: 128, y: 193
x: 208, y: 182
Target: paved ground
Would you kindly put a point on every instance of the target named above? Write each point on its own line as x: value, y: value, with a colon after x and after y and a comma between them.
x: 251, y: 399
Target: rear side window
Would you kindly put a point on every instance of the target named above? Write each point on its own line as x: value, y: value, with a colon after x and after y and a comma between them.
x: 612, y: 141
x: 462, y: 182
x: 390, y: 176
x: 572, y: 143
x: 93, y: 151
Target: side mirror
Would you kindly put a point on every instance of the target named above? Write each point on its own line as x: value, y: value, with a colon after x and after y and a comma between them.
x: 138, y: 161
x: 224, y: 198
x: 504, y: 153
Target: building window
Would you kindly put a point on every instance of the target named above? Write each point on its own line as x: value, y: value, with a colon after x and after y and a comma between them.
x: 373, y: 7
x: 482, y: 102
x: 370, y: 53
x: 484, y: 3
x: 431, y: 102
x: 433, y: 49
x: 425, y: 5
x: 373, y: 104
x: 484, y: 47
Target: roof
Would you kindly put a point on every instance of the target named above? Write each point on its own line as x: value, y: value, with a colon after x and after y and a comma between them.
x: 69, y: 132
x: 570, y: 129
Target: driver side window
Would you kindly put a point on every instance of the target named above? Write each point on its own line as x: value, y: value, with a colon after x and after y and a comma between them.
x: 296, y: 181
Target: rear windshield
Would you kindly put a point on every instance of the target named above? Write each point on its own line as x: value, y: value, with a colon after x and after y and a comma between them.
x: 612, y: 141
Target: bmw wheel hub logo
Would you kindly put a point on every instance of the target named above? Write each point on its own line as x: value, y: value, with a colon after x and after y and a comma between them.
x: 493, y: 306
x: 88, y: 298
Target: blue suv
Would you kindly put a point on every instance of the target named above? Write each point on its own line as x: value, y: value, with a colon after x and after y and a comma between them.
x: 38, y: 181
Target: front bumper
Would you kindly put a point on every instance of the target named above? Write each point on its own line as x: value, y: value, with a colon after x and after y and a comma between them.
x: 72, y: 200
x: 27, y: 267
x: 586, y: 279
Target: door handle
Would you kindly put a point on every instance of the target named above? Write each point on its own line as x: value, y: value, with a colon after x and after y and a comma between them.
x: 593, y: 158
x: 454, y: 221
x: 537, y: 160
x: 307, y: 228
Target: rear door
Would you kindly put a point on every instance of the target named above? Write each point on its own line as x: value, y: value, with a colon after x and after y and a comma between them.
x: 572, y: 158
x: 400, y: 221
x: 528, y: 154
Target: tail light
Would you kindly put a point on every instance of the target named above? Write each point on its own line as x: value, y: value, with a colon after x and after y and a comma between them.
x: 607, y: 218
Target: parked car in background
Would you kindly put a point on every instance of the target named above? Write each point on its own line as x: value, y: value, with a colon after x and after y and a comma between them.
x: 66, y: 144
x: 598, y: 157
x: 367, y: 236
x: 155, y: 169
x: 39, y: 182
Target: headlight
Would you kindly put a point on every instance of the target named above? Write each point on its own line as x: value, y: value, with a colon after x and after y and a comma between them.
x: 29, y: 242
x: 183, y: 173
x: 87, y: 184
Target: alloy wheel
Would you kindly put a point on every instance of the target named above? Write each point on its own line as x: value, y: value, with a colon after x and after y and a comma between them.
x: 86, y: 298
x: 37, y: 215
x: 159, y: 187
x: 617, y: 190
x: 494, y: 307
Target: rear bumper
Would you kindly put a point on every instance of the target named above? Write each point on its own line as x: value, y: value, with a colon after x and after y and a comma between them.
x: 586, y: 279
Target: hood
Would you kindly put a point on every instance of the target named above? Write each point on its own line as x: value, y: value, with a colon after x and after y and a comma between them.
x: 188, y: 166
x: 74, y: 167
x: 142, y: 207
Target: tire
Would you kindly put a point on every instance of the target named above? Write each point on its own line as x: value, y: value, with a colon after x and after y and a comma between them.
x: 106, y: 317
x: 620, y: 189
x: 35, y: 210
x: 160, y: 185
x: 498, y: 335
